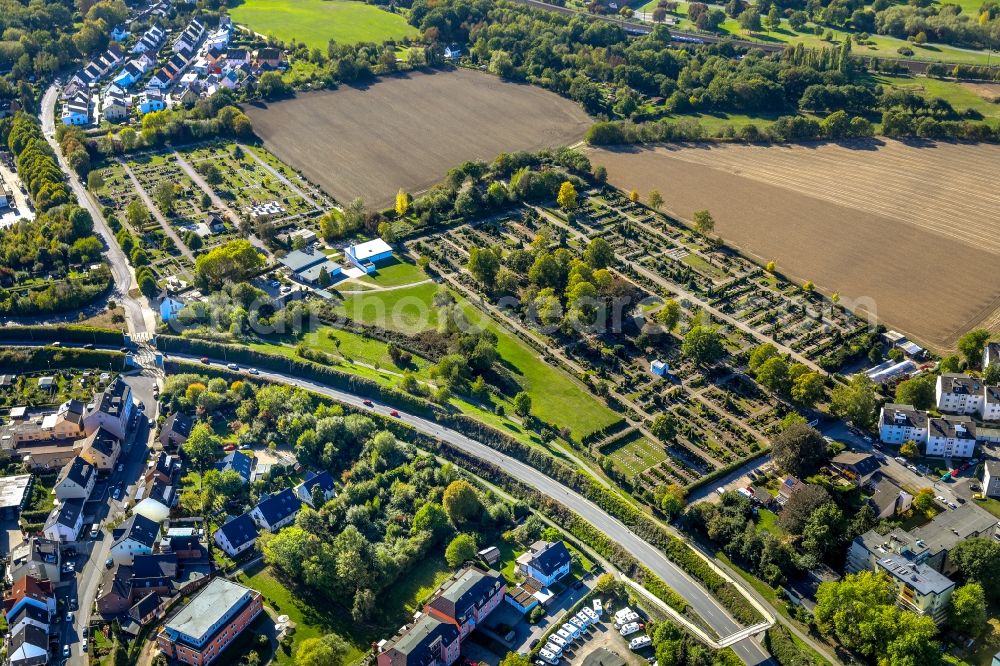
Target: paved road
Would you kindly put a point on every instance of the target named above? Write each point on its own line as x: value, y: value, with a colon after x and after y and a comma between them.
x: 138, y: 316
x: 701, y: 601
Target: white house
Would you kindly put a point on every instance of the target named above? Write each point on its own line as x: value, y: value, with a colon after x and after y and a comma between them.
x: 136, y: 536
x: 991, y: 478
x: 150, y: 100
x: 119, y: 33
x: 900, y: 423
x: 112, y: 409
x: 114, y: 105
x: 545, y: 562
x: 275, y: 511
x: 76, y: 110
x: 990, y: 410
x: 76, y: 480
x: 991, y: 354
x: 169, y: 307
x: 659, y: 368
x: 951, y: 436
x: 237, y: 535
x: 959, y: 394
x: 452, y: 52
x: 65, y: 521
x: 365, y: 255
x: 304, y: 491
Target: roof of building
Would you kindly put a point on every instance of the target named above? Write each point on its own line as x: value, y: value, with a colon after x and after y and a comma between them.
x: 886, y: 495
x: 28, y: 611
x: 467, y: 589
x: 952, y: 427
x: 957, y: 383
x: 603, y: 657
x: 13, y: 489
x: 279, y: 506
x: 178, y: 424
x: 79, y: 471
x: 29, y: 646
x: 160, y: 565
x: 324, y: 480
x: 863, y: 463
x: 920, y: 577
x: 103, y: 442
x: 111, y: 400
x: 903, y: 416
x: 411, y: 647
x: 313, y: 273
x: 31, y: 587
x: 138, y: 528
x: 142, y: 608
x: 240, y: 530
x: 950, y: 527
x: 370, y: 248
x: 992, y: 467
x: 549, y: 556
x: 207, y: 607
x: 238, y: 462
x: 67, y: 514
x: 299, y: 260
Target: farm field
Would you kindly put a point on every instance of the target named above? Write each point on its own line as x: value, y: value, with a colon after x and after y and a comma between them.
x: 878, y: 223
x: 316, y: 22
x: 408, y: 130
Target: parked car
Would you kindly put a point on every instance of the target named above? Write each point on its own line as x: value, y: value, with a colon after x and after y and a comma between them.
x: 204, y: 359
x: 536, y: 641
x: 639, y: 643
x: 108, y: 563
x: 89, y: 345
x: 69, y: 617
x: 232, y: 366
x: 83, y: 645
x: 367, y: 403
x: 394, y: 413
x: 95, y: 531
x: 65, y: 650
x: 253, y: 371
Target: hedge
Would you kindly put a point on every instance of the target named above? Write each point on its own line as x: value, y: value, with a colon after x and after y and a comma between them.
x: 71, y: 333
x: 784, y: 650
x: 44, y: 358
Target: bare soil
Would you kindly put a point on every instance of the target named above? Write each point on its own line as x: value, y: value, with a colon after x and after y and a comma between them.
x: 408, y: 130
x: 908, y: 233
x: 988, y: 91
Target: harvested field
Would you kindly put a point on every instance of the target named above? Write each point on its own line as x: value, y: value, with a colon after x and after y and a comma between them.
x: 911, y: 234
x: 407, y: 131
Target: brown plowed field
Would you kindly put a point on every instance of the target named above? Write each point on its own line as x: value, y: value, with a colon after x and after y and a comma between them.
x: 407, y: 131
x: 909, y: 233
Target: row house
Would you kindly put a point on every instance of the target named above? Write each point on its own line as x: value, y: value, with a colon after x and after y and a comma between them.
x: 947, y: 436
x: 962, y: 394
x: 150, y: 41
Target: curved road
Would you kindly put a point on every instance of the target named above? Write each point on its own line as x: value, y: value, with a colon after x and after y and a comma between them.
x: 703, y: 603
x: 124, y: 277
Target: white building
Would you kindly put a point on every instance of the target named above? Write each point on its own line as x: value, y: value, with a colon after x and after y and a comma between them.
x: 991, y: 478
x: 951, y: 436
x: 76, y: 480
x: 65, y: 521
x: 901, y: 423
x: 136, y: 536
x: 237, y: 535
x: 111, y: 409
x: 959, y: 394
x: 991, y: 354
x: 76, y: 110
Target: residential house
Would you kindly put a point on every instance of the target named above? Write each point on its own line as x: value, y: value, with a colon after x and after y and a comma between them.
x: 545, y: 562
x: 427, y: 642
x: 37, y: 557
x: 150, y: 100
x: 275, y: 511
x: 175, y: 430
x: 150, y: 40
x: 958, y: 394
x: 366, y: 255
x: 159, y: 81
x: 856, y: 467
x: 111, y: 409
x: 136, y: 536
x: 145, y: 610
x: 202, y: 629
x: 126, y: 584
x: 951, y: 437
x: 29, y: 615
x: 991, y: 354
x: 29, y: 591
x: 452, y: 52
x: 101, y: 449
x: 130, y: 73
x: 320, y: 485
x: 119, y: 32
x: 65, y: 521
x: 190, y: 38
x: 114, y: 105
x: 165, y: 468
x: 238, y: 462
x: 889, y: 500
x: 29, y: 646
x: 236, y: 536
x: 902, y: 423
x: 789, y: 486
x: 991, y: 478
x: 266, y: 57
x: 308, y: 265
x: 468, y: 598
x: 237, y: 57
x: 920, y: 588
x: 155, y: 499
x: 76, y: 480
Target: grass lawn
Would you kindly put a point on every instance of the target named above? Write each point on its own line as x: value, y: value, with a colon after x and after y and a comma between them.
x: 366, y: 350
x: 768, y: 520
x: 315, y: 22
x: 408, y: 310
x: 960, y: 96
x: 393, y: 274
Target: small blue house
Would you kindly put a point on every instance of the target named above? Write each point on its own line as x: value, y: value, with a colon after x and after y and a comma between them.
x: 545, y: 562
x: 169, y: 307
x: 366, y: 255
x: 119, y: 33
x: 149, y: 101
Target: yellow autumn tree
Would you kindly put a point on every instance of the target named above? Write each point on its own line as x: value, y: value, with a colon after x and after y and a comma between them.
x: 403, y: 200
x: 567, y: 196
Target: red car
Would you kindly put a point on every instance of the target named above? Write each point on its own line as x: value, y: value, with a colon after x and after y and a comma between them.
x: 394, y: 413
x: 204, y: 359
x: 366, y: 403
x: 229, y: 447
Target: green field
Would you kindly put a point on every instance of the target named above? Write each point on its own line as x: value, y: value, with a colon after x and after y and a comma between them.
x: 316, y: 22
x: 960, y: 96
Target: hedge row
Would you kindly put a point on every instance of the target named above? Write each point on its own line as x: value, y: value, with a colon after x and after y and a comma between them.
x: 784, y: 650
x: 71, y: 333
x: 44, y: 358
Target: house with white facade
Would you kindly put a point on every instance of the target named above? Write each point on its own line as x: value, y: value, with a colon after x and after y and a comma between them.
x: 275, y: 511
x: 111, y: 409
x: 991, y: 478
x: 366, y: 255
x: 322, y: 481
x: 76, y: 110
x: 150, y: 100
x: 545, y: 562
x: 901, y: 423
x: 951, y: 437
x: 959, y: 394
x: 76, y: 480
x: 65, y: 521
x: 136, y: 536
x: 238, y: 535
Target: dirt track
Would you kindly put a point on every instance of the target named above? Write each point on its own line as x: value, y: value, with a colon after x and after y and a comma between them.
x: 407, y: 131
x: 913, y: 231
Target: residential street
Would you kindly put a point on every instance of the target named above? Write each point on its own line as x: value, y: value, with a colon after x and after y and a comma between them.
x: 140, y: 319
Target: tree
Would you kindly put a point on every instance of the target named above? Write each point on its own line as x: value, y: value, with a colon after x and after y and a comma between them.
x: 669, y: 315
x: 95, y: 181
x: 484, y: 263
x: 567, y: 196
x: 670, y: 498
x: 950, y: 364
x: 967, y: 613
x: 924, y: 501
x: 522, y: 404
x: 664, y: 427
x: 971, y: 346
x: 461, y: 502
x: 633, y: 196
x: 824, y: 531
x: 164, y: 196
x: 703, y: 345
x: 431, y: 517
x: 750, y: 20
x: 403, y: 201
x: 855, y: 401
x: 137, y: 214
x: 201, y: 447
x: 515, y: 659
x: 704, y: 223
x: 236, y: 261
x: 918, y: 392
x: 271, y: 86
x: 760, y: 354
x: 909, y: 449
x: 801, y: 505
x: 773, y: 18
x: 808, y: 388
x: 461, y: 549
x: 978, y: 560
x: 773, y: 374
x: 655, y: 199
x: 328, y: 650
x: 799, y: 449
x: 599, y: 254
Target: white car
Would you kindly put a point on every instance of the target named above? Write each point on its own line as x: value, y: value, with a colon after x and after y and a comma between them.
x: 233, y: 366
x: 572, y: 630
x: 253, y: 371
x: 639, y: 643
x: 939, y: 498
x: 69, y: 617
x: 900, y: 459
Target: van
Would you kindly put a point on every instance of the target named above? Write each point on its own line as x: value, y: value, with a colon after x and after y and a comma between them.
x: 598, y: 607
x: 566, y: 636
x: 554, y: 649
x: 629, y: 629
x: 639, y: 643
x: 573, y: 630
x: 556, y: 639
x: 589, y: 612
x: 548, y: 656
